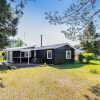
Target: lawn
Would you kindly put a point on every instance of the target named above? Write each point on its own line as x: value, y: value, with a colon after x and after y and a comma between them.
x: 63, y: 82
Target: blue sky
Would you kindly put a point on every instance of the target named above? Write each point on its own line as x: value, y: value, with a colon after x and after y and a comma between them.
x: 33, y: 23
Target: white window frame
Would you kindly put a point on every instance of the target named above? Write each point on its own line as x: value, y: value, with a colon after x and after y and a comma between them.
x: 67, y: 51
x: 49, y: 51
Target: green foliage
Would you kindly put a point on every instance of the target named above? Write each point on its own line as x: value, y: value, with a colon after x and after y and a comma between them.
x: 88, y: 39
x: 85, y: 57
x: 3, y: 40
x: 76, y: 17
x: 19, y: 43
x: 80, y: 58
x: 9, y: 17
x: 2, y: 56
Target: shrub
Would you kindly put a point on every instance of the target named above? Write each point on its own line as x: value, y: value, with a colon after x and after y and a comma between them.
x: 1, y: 57
x: 80, y: 58
x: 85, y: 57
x: 3, y: 54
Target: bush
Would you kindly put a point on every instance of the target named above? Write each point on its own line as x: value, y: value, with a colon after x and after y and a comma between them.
x: 3, y: 54
x: 1, y: 57
x: 80, y: 58
x: 85, y: 57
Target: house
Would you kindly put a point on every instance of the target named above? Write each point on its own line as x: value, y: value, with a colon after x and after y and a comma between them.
x: 51, y: 54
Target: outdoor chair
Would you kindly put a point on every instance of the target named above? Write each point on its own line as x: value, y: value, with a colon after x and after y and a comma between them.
x: 35, y: 60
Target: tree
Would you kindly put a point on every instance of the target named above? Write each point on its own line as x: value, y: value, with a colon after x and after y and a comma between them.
x: 9, y: 17
x: 19, y: 43
x: 88, y: 39
x: 3, y: 40
x: 76, y: 17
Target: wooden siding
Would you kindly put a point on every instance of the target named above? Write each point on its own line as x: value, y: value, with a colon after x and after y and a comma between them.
x: 42, y: 54
x: 60, y: 55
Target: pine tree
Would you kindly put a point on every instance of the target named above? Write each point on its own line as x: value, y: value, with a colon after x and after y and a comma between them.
x: 88, y: 39
x: 9, y: 18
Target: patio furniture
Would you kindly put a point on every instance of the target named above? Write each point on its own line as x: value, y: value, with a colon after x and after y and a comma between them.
x: 35, y: 60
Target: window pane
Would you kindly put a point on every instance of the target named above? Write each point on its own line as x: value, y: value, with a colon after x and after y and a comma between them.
x: 26, y: 54
x: 49, y: 54
x: 68, y: 54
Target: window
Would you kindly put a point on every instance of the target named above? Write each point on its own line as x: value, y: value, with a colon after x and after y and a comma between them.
x: 49, y: 54
x: 68, y: 54
x: 26, y: 54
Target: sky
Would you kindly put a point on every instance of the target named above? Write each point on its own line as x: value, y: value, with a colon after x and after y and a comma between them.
x: 33, y: 23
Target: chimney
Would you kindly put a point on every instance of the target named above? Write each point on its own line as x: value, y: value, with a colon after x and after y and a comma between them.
x: 41, y: 40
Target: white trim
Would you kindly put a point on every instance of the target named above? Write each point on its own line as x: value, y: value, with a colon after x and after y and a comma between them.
x: 70, y: 56
x: 20, y: 48
x: 49, y: 51
x: 11, y: 56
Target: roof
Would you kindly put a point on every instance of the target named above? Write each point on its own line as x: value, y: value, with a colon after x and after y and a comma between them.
x: 51, y: 46
x: 19, y: 48
x: 29, y: 48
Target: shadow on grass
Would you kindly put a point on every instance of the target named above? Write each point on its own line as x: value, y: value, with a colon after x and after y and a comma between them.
x: 74, y: 65
x: 96, y: 91
x: 69, y: 66
x: 1, y: 85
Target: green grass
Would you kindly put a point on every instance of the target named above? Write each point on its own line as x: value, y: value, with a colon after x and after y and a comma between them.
x: 63, y: 82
